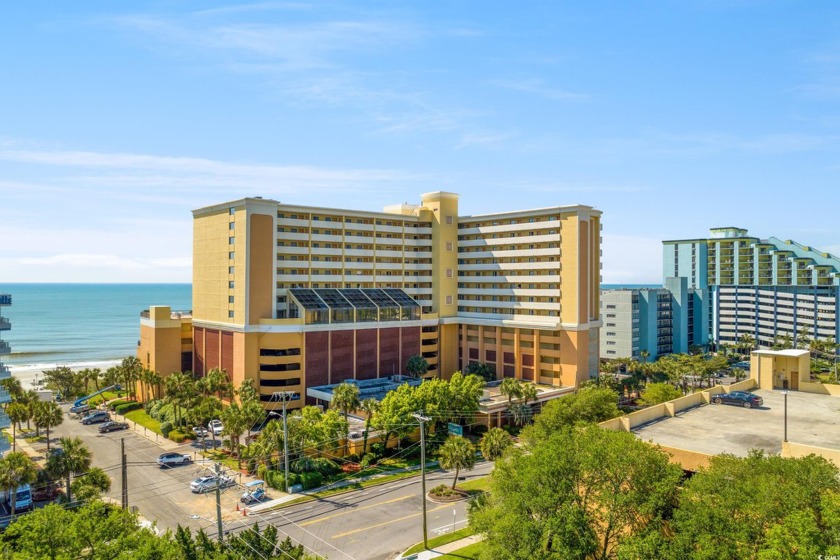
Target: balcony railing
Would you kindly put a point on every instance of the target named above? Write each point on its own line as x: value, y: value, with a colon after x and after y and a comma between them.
x: 4, y: 348
x: 5, y: 299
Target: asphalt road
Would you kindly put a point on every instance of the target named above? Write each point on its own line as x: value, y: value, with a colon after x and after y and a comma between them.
x: 375, y: 523
x: 161, y: 495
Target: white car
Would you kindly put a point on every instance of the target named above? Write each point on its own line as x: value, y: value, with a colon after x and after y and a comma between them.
x: 171, y: 459
x: 209, y: 482
x: 216, y: 427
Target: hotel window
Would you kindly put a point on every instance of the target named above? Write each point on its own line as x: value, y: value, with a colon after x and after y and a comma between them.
x: 230, y: 240
x: 232, y: 225
x: 230, y: 270
x: 449, y: 246
x: 231, y: 254
x: 230, y: 284
x: 449, y: 220
x: 232, y: 211
x: 230, y: 299
x: 448, y: 300
x: 230, y: 314
x: 449, y: 273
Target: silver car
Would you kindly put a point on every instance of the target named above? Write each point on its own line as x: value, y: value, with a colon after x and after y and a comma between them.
x: 209, y: 482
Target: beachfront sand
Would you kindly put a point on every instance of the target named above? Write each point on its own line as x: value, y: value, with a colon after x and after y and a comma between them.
x: 28, y: 375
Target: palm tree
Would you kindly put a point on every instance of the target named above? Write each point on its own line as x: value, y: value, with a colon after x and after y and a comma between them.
x: 16, y: 470
x: 345, y: 398
x: 369, y: 406
x: 12, y: 386
x: 456, y: 453
x: 216, y: 381
x: 644, y: 355
x: 74, y: 458
x: 179, y: 389
x: 511, y: 388
x: 494, y: 443
x: 130, y: 369
x: 746, y: 341
x: 235, y: 423
x: 111, y: 376
x: 48, y: 415
x: 18, y: 412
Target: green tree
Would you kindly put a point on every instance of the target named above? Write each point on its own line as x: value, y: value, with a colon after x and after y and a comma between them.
x: 180, y: 390
x: 48, y: 415
x: 91, y: 484
x: 656, y: 393
x: 494, y: 443
x: 64, y: 380
x: 486, y: 371
x: 394, y: 417
x: 456, y: 453
x: 252, y: 412
x: 577, y: 494
x: 74, y: 458
x: 131, y: 370
x: 369, y: 406
x: 345, y: 397
x: 416, y: 366
x: 18, y: 412
x: 644, y: 355
x: 588, y: 405
x: 235, y: 423
x: 16, y: 469
x: 12, y: 386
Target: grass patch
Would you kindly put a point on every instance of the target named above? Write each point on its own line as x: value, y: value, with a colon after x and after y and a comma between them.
x: 106, y: 396
x: 471, y: 552
x: 221, y: 457
x: 140, y: 417
x: 441, y: 540
x: 35, y: 439
x: 349, y: 488
x: 477, y: 484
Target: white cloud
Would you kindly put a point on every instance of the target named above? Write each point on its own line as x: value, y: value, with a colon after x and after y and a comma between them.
x: 536, y: 86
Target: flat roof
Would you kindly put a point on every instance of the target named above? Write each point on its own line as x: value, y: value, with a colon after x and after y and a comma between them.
x: 714, y: 429
x: 790, y: 352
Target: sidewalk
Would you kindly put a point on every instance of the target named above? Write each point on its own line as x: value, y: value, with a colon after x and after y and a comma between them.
x: 446, y: 548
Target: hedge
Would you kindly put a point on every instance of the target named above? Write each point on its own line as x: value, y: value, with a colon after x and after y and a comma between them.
x: 277, y: 480
x: 166, y: 428
x: 177, y: 436
x: 127, y: 407
x: 311, y: 480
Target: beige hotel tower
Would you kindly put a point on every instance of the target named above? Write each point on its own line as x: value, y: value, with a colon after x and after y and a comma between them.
x: 298, y: 296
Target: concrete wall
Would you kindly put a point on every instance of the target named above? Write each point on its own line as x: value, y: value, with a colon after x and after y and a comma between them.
x: 795, y: 450
x: 820, y: 388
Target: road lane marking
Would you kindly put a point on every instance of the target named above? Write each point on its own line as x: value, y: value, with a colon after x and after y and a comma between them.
x: 354, y: 510
x: 354, y: 531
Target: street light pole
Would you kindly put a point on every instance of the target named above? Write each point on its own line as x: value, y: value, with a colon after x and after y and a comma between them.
x: 219, y: 529
x: 421, y: 419
x: 785, y: 393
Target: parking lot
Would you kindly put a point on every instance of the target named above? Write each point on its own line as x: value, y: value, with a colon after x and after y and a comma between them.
x: 713, y: 429
x: 161, y: 495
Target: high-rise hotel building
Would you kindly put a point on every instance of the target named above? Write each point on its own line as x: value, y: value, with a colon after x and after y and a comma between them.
x: 5, y: 373
x: 765, y: 288
x: 298, y: 296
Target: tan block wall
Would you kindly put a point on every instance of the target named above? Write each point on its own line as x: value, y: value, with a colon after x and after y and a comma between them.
x: 570, y: 269
x: 260, y: 268
x: 211, y: 263
x: 441, y: 207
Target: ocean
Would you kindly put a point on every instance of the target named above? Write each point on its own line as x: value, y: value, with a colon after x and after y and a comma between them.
x: 80, y: 325
x: 87, y: 325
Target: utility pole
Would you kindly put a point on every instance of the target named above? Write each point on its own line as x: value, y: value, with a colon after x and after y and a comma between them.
x: 286, y: 396
x: 421, y: 419
x: 124, y: 474
x: 219, y: 530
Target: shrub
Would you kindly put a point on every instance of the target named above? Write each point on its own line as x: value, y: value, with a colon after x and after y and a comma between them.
x: 304, y: 464
x: 165, y: 428
x: 117, y: 402
x: 122, y: 409
x: 444, y: 491
x: 378, y: 449
x: 311, y: 480
x: 261, y: 471
x: 367, y: 460
x: 177, y: 436
x: 324, y: 466
x: 277, y: 480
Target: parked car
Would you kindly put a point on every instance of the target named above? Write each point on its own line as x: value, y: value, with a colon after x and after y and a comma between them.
x: 81, y: 409
x: 171, y: 459
x: 742, y: 365
x: 112, y: 427
x: 739, y: 398
x: 200, y: 432
x: 95, y: 417
x: 216, y: 427
x: 209, y: 482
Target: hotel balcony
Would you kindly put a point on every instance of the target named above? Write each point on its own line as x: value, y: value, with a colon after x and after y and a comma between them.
x: 5, y: 324
x: 504, y: 228
x: 5, y: 299
x: 506, y: 253
x: 5, y: 372
x: 5, y: 348
x: 526, y: 239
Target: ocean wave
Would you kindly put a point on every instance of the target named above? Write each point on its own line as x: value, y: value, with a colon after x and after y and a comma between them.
x: 38, y: 353
x: 101, y: 364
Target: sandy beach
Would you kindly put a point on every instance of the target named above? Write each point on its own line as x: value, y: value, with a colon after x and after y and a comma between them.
x: 31, y: 376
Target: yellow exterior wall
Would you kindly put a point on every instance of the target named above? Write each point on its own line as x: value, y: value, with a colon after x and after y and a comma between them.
x: 569, y: 272
x: 443, y: 207
x: 161, y: 343
x: 211, y: 231
x: 260, y: 268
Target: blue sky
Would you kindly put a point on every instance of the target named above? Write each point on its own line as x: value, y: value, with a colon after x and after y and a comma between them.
x: 672, y: 117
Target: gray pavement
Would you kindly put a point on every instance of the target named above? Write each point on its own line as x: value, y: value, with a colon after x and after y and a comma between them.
x: 714, y: 429
x: 375, y: 523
